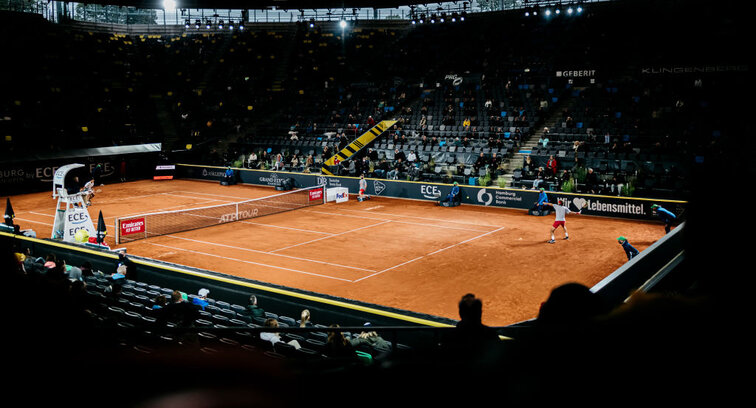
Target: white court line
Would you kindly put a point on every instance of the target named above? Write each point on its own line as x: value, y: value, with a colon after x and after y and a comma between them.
x: 162, y: 209
x: 429, y: 254
x: 198, y: 198
x: 127, y: 198
x: 271, y: 253
x: 334, y: 235
x: 282, y: 227
x: 221, y: 195
x: 419, y: 218
x: 335, y: 214
x: 35, y: 222
x: 252, y: 263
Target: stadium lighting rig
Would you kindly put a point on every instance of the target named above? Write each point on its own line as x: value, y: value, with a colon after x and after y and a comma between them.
x: 572, y: 9
x: 439, y: 18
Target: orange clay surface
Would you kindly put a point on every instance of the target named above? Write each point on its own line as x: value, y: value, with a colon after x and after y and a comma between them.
x: 406, y: 254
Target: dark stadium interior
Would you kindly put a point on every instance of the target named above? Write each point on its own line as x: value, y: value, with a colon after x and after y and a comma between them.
x: 669, y: 113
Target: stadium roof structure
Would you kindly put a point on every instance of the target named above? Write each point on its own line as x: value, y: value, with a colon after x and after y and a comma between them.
x: 261, y: 4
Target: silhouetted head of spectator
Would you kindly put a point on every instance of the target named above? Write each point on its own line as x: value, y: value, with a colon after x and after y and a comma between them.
x: 470, y: 309
x: 571, y: 303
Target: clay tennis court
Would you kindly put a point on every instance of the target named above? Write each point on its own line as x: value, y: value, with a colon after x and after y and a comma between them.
x: 406, y: 254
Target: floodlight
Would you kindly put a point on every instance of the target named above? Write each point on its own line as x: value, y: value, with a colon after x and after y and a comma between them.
x: 342, y: 24
x: 169, y: 5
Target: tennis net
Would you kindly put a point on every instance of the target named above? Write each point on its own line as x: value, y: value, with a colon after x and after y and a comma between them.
x: 135, y: 227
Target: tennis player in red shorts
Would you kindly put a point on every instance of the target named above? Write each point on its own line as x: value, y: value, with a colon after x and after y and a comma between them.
x: 561, y: 211
x: 363, y: 187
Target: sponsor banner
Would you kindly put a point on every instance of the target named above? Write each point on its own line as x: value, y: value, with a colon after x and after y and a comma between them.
x: 337, y: 194
x: 316, y: 195
x: 606, y: 206
x: 164, y: 172
x: 77, y: 218
x: 39, y: 175
x: 133, y: 226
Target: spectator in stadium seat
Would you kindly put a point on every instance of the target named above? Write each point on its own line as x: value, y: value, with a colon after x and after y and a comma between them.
x: 120, y: 274
x: 528, y: 166
x: 540, y: 176
x: 279, y: 163
x: 201, y: 298
x: 399, y: 155
x: 480, y: 162
x: 338, y: 346
x: 74, y: 273
x: 178, y: 311
x: 304, y: 319
x: 570, y: 305
x: 159, y: 302
x: 563, y: 177
x: 382, y: 168
x: 411, y: 157
x: 308, y: 164
x: 275, y: 337
x: 470, y: 334
x: 495, y: 161
x: 253, y: 310
x: 294, y: 162
x: 372, y: 155
x: 552, y: 165
x: 371, y: 339
x: 351, y: 168
x: 364, y: 167
x: 113, y: 292
x: 591, y: 181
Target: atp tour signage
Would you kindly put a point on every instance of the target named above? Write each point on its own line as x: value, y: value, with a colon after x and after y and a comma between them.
x: 605, y: 206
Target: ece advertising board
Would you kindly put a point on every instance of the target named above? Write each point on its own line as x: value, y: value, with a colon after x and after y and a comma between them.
x: 606, y: 206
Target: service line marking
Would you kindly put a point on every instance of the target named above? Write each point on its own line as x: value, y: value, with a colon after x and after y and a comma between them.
x: 331, y: 236
x: 429, y: 254
x: 271, y: 253
x: 251, y: 262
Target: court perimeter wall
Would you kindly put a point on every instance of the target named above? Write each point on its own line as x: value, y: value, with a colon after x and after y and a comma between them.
x: 598, y: 205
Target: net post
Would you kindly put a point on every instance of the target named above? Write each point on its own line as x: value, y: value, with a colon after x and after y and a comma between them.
x: 118, y: 231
